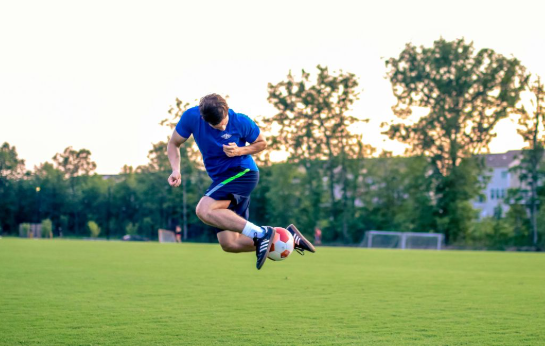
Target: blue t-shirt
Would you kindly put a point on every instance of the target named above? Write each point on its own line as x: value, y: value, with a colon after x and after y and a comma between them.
x: 240, y: 129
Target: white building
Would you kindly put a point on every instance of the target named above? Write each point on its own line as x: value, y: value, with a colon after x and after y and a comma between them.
x: 500, y: 181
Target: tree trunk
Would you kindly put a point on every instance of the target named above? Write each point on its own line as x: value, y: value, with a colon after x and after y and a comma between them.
x: 184, y: 216
x: 74, y: 206
x: 345, y: 205
x: 333, y: 215
x: 535, y: 159
x: 537, y: 155
x: 314, y: 190
x: 108, y: 211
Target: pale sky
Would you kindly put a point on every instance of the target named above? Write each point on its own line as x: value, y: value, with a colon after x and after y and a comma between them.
x: 101, y: 75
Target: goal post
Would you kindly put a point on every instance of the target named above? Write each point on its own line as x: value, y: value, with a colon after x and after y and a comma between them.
x: 402, y: 240
x: 166, y: 236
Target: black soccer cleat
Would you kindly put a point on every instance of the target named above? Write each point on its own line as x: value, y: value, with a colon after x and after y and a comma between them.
x: 263, y: 246
x: 301, y: 244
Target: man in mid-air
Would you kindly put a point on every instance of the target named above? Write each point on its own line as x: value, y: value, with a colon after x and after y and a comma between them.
x: 221, y: 135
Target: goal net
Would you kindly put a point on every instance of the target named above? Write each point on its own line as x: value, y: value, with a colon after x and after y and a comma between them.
x: 166, y: 236
x: 402, y: 240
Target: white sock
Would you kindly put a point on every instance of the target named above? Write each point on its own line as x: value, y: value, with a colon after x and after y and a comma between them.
x: 250, y: 230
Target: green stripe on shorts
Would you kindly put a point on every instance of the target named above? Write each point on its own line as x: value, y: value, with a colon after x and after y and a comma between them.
x: 235, y: 176
x: 227, y: 181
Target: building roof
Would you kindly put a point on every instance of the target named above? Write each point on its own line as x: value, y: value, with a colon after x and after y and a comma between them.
x: 500, y: 160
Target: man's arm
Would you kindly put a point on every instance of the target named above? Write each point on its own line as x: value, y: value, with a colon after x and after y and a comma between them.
x: 232, y: 150
x: 173, y: 152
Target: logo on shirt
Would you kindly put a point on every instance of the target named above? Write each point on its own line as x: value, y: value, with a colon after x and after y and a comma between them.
x: 226, y: 136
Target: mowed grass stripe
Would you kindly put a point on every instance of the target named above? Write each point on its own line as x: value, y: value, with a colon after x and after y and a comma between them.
x: 65, y: 292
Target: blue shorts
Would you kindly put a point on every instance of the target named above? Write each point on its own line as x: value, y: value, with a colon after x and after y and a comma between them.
x: 235, y: 184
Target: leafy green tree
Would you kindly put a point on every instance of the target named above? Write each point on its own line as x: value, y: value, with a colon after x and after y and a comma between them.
x: 131, y: 229
x: 25, y: 230
x: 313, y: 126
x: 531, y: 121
x: 158, y: 159
x: 94, y: 229
x: 393, y: 195
x: 502, y: 231
x: 124, y: 203
x: 54, y: 192
x: 191, y: 157
x: 12, y: 186
x: 73, y: 164
x: 416, y: 213
x: 154, y: 190
x: 396, y: 194
x: 464, y: 94
x: 520, y: 226
x: 11, y: 167
x: 286, y: 198
x: 384, y: 192
x: 94, y: 199
x: 47, y: 228
x: 160, y: 202
x: 489, y: 233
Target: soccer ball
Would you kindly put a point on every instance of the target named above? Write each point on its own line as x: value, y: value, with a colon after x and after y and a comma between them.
x: 282, y: 245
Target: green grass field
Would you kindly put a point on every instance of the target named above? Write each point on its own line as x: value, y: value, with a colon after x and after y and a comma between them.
x: 113, y: 293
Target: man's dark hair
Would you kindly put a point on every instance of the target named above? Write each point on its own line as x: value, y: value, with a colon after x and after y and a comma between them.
x: 213, y: 108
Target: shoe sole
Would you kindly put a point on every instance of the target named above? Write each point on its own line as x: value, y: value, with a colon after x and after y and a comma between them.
x: 259, y: 266
x: 293, y: 228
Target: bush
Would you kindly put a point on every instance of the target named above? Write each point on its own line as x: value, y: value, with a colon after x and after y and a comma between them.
x: 490, y: 233
x: 93, y: 229
x: 47, y: 228
x: 131, y: 229
x: 24, y: 230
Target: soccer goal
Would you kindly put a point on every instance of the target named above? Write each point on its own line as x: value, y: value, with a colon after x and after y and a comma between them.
x: 402, y: 240
x: 166, y: 236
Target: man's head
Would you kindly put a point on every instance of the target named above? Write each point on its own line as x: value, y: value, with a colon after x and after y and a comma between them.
x: 214, y: 111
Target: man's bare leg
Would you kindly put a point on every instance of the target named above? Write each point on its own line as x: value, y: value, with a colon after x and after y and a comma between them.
x: 215, y: 213
x: 234, y: 242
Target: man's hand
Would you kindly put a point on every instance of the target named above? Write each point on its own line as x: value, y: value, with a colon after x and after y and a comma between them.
x: 175, y: 178
x: 231, y: 150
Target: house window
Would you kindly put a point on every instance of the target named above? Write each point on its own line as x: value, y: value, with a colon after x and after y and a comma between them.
x: 492, y: 194
x: 504, y: 174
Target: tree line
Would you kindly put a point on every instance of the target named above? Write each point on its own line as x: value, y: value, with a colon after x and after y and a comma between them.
x: 332, y: 179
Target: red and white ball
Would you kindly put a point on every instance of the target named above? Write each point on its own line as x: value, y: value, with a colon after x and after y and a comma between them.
x: 282, y: 245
